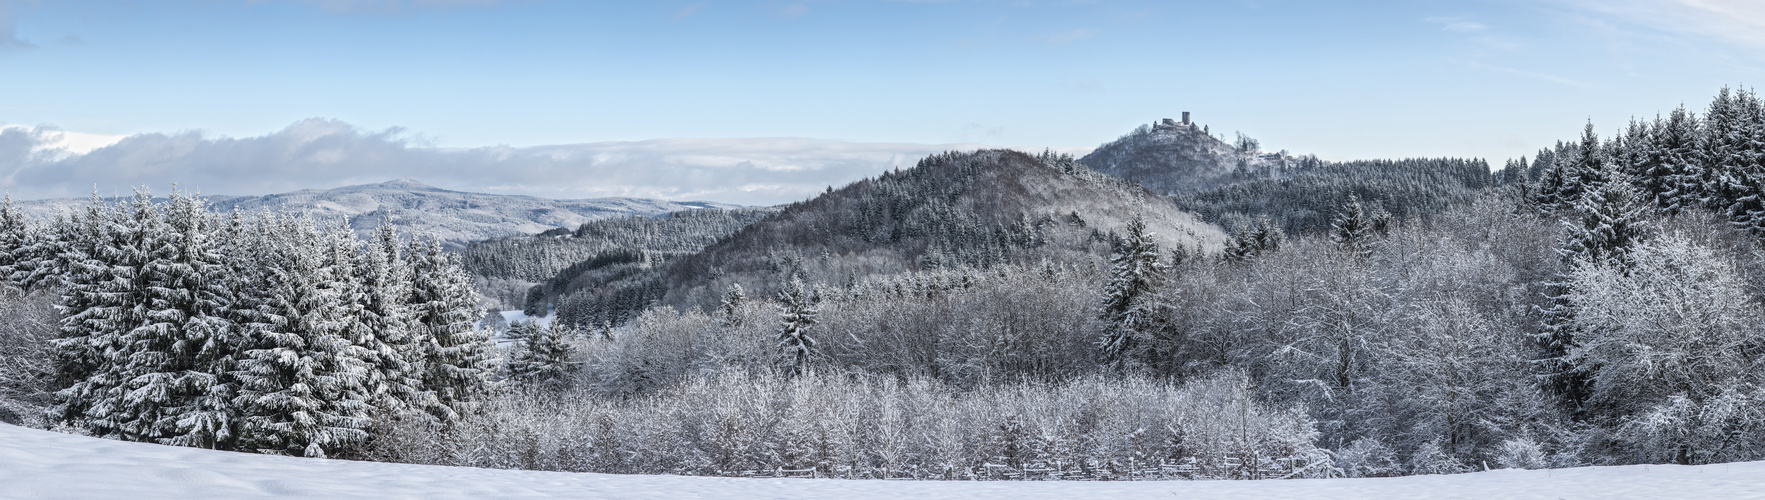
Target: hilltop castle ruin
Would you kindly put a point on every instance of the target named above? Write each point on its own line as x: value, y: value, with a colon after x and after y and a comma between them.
x: 1169, y: 124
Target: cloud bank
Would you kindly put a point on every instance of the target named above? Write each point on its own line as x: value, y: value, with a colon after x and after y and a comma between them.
x: 319, y: 154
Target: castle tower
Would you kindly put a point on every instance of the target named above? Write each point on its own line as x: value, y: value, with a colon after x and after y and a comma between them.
x: 1186, y: 118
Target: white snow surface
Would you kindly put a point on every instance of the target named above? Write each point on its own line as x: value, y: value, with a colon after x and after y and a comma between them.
x: 513, y: 316
x: 43, y: 464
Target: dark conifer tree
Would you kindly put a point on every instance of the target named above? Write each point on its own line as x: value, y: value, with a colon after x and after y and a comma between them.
x: 797, y: 315
x: 542, y: 358
x: 1352, y: 229
x: 1676, y: 180
x: 1134, y: 271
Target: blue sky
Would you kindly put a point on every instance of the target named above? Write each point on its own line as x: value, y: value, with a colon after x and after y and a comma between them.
x: 1344, y: 80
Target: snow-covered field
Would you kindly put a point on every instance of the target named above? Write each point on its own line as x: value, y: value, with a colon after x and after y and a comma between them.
x: 40, y: 464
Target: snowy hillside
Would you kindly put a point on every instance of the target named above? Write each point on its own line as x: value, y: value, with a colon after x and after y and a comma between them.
x: 42, y: 464
x: 455, y: 217
x: 1177, y: 158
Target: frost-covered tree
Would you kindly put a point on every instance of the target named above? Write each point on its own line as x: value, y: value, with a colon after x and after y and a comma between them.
x: 1134, y: 271
x: 301, y: 376
x: 1610, y: 220
x: 383, y: 283
x: 1723, y: 149
x: 1257, y: 239
x: 1352, y: 229
x: 1740, y: 155
x: 797, y: 309
x: 16, y: 235
x: 99, y: 309
x: 1584, y: 169
x: 188, y: 293
x: 1676, y: 176
x: 729, y: 309
x: 1677, y: 322
x: 456, y: 362
x: 543, y: 358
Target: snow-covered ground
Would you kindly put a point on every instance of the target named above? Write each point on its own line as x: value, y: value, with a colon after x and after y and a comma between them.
x: 510, y: 317
x: 41, y: 464
x: 513, y: 316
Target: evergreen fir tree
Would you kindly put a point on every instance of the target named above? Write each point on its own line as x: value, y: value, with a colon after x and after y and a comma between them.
x: 1610, y: 220
x: 1744, y: 165
x: 1678, y: 173
x: 90, y: 350
x: 797, y: 311
x: 15, y: 238
x: 1584, y: 168
x: 188, y: 294
x: 1550, y: 180
x: 1351, y: 231
x: 1636, y: 155
x: 1263, y: 237
x: 42, y: 261
x: 1134, y: 271
x: 456, y: 363
x: 729, y: 309
x: 385, y: 284
x: 301, y: 376
x: 1722, y: 148
x: 542, y: 359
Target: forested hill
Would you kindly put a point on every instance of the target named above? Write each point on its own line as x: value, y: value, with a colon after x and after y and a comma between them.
x: 1171, y: 158
x: 1306, y: 197
x: 454, y: 217
x: 1233, y: 185
x: 507, y: 269
x: 956, y: 210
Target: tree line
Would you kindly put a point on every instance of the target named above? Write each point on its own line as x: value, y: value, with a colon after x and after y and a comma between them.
x: 271, y: 332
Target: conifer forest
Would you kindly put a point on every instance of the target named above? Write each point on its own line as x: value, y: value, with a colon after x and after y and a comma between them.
x: 1171, y: 306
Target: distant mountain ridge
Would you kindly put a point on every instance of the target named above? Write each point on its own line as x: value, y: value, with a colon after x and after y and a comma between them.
x: 414, y: 208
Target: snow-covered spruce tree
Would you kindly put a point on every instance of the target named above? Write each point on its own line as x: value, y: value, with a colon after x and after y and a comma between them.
x: 141, y: 322
x: 42, y: 261
x: 1722, y: 149
x: 543, y: 359
x: 1744, y: 165
x: 730, y: 308
x: 797, y: 310
x: 1261, y: 238
x: 1638, y: 156
x: 1584, y: 169
x: 385, y: 284
x: 1678, y: 172
x: 1610, y: 220
x: 1548, y: 179
x: 15, y: 238
x: 1127, y: 305
x: 1351, y: 231
x: 301, y: 377
x: 368, y: 288
x: 96, y: 312
x: 189, y: 298
x: 456, y: 363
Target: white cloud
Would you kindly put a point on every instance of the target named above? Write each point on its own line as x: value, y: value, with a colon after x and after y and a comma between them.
x: 50, y: 140
x: 1734, y: 21
x: 318, y: 153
